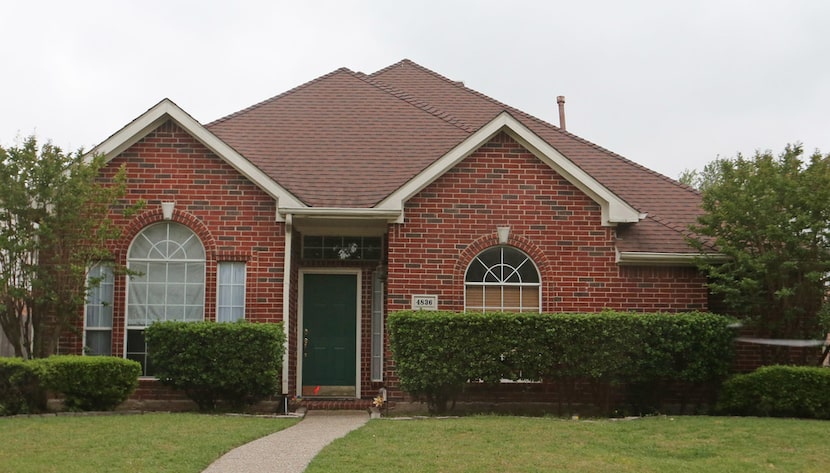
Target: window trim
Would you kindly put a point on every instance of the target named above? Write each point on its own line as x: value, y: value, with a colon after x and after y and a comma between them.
x: 220, y: 285
x: 501, y: 284
x: 128, y: 327
x: 108, y: 279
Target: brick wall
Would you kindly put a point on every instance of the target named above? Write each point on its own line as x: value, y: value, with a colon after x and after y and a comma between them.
x: 455, y: 218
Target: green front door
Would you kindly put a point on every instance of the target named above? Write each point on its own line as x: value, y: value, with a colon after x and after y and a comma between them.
x: 329, y: 348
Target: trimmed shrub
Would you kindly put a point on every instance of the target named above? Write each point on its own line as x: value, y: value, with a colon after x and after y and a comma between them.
x: 89, y: 383
x: 236, y: 363
x: 778, y: 391
x: 436, y: 353
x: 20, y: 392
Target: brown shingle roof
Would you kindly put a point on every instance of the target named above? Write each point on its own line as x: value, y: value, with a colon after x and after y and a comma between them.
x: 349, y: 139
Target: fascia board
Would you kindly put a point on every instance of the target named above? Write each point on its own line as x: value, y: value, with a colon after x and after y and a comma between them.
x: 644, y: 258
x: 396, y: 200
x: 343, y: 213
x: 166, y: 109
x: 614, y: 209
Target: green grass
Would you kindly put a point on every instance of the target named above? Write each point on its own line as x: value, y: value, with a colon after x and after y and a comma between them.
x: 513, y: 444
x: 149, y: 443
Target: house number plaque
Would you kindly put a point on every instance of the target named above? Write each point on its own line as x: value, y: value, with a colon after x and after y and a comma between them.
x: 424, y: 302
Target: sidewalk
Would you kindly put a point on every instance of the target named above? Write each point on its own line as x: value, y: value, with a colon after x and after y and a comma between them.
x: 290, y: 450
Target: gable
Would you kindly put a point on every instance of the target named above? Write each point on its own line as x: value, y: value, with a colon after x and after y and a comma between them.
x: 165, y: 111
x: 614, y: 209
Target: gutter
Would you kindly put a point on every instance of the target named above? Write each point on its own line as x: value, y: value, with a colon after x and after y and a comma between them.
x: 644, y: 258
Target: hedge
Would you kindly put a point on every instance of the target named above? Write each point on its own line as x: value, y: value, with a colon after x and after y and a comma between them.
x: 20, y: 392
x: 233, y: 363
x: 778, y: 391
x: 89, y: 383
x: 436, y: 352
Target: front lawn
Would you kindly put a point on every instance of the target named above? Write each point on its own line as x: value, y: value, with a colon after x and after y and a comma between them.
x: 148, y: 443
x: 513, y: 444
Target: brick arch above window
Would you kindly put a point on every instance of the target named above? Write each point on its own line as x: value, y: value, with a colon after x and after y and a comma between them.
x: 487, y: 241
x: 150, y: 217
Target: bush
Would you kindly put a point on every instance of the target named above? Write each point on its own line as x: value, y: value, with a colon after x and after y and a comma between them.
x: 238, y: 363
x: 20, y: 392
x: 436, y: 353
x: 89, y: 383
x: 778, y: 391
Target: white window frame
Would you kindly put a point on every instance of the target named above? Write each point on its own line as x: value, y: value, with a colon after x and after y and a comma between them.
x: 237, y: 310
x: 377, y: 327
x: 96, y: 299
x: 168, y: 255
x: 501, y: 281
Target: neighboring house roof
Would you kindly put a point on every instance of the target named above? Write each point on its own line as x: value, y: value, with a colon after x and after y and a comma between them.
x: 348, y: 145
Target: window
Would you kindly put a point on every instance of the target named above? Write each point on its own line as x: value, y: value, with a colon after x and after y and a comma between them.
x: 504, y: 279
x: 230, y: 300
x: 377, y: 325
x: 98, y: 311
x: 342, y: 248
x: 170, y: 285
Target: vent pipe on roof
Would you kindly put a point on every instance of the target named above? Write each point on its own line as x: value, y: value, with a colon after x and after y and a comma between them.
x: 560, y: 100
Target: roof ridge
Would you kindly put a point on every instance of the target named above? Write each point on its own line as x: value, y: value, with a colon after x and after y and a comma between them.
x: 279, y: 96
x: 418, y: 103
x: 539, y: 121
x: 677, y: 227
x: 687, y: 232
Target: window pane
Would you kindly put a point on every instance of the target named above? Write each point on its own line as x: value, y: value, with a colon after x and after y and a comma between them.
x: 99, y: 311
x: 99, y: 342
x: 137, y: 349
x: 196, y: 273
x: 231, y: 291
x: 174, y: 312
x: 476, y: 271
x: 475, y: 297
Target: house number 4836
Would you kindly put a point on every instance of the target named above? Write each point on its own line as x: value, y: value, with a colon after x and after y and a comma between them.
x: 424, y: 302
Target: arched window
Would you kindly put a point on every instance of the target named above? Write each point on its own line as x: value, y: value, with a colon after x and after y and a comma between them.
x: 169, y: 260
x: 504, y: 279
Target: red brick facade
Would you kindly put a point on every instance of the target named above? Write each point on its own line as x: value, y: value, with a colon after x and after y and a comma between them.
x: 558, y: 226
x: 446, y: 225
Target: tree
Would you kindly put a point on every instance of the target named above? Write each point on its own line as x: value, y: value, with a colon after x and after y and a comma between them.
x: 54, y: 223
x: 770, y: 217
x: 700, y: 180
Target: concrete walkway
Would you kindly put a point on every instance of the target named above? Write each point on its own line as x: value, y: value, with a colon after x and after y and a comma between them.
x: 290, y: 450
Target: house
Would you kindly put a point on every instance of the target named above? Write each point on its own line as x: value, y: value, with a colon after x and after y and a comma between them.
x: 354, y: 195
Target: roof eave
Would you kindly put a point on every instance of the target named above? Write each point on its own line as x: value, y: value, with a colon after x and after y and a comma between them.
x: 646, y: 258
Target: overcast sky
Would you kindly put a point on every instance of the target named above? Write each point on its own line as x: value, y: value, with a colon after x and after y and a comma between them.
x: 670, y: 85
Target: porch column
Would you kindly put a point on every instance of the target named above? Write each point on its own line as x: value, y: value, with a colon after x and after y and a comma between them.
x: 286, y: 300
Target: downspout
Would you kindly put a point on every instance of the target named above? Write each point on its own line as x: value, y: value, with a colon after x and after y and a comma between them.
x: 286, y: 299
